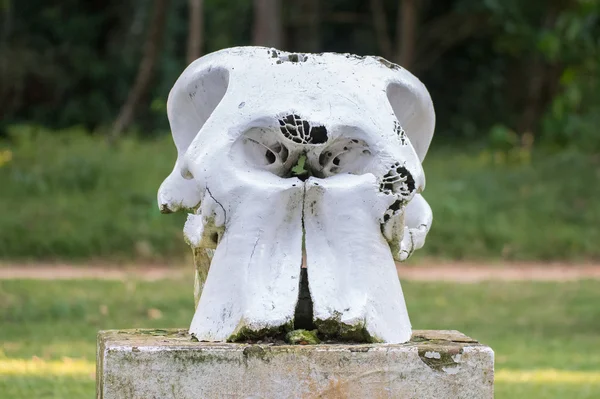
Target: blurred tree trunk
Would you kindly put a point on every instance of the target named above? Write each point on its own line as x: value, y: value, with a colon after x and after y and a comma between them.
x: 381, y: 28
x: 156, y: 27
x: 303, y: 25
x: 536, y: 75
x: 541, y: 81
x: 312, y: 11
x: 403, y: 50
x: 6, y: 100
x: 195, y: 30
x: 435, y: 38
x: 267, y: 30
x: 406, y: 35
x: 445, y: 32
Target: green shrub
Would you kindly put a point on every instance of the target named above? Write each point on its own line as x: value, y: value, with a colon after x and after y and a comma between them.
x: 70, y: 195
x: 536, y: 206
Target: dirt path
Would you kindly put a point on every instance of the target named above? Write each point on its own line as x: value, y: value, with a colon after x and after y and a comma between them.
x: 462, y: 272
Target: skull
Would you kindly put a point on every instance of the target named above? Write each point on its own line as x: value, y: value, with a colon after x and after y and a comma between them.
x: 285, y: 155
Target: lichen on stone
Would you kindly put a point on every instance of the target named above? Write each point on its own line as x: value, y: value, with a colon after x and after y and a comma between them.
x: 256, y: 352
x: 440, y: 355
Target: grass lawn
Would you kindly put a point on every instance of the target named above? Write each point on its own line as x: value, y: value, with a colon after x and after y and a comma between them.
x: 546, y: 335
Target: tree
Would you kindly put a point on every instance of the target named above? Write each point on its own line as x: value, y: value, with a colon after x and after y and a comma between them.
x: 195, y: 30
x: 156, y: 27
x: 406, y: 25
x: 313, y: 25
x: 541, y: 77
x: 267, y: 29
x: 435, y: 38
x: 303, y: 25
x: 381, y: 29
x: 406, y: 32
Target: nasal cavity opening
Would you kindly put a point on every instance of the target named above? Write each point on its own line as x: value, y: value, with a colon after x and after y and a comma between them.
x: 300, y: 131
x: 319, y: 134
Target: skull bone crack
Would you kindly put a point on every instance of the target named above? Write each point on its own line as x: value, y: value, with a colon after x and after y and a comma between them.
x: 283, y: 154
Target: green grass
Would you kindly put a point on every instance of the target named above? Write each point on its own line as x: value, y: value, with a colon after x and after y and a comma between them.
x: 546, y: 335
x: 72, y: 196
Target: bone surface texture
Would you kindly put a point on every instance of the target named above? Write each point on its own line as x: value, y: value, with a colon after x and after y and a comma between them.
x: 286, y: 156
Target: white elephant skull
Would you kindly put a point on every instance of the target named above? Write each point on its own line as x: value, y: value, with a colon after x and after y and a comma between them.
x: 242, y: 118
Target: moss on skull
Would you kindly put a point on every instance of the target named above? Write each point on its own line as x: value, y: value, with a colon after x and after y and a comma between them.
x: 245, y: 333
x: 302, y: 337
x: 335, y: 330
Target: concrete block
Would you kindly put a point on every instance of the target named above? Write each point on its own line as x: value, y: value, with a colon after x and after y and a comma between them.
x: 136, y: 364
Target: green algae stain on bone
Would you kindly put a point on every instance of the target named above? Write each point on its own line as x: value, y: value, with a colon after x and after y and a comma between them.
x: 302, y: 337
x: 334, y: 329
x: 245, y: 333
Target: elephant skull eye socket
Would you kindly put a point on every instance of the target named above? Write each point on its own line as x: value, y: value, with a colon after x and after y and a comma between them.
x: 261, y: 152
x: 262, y: 148
x: 345, y: 155
x: 278, y: 149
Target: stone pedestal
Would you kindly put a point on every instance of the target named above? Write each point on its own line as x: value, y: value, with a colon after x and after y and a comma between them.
x: 136, y: 364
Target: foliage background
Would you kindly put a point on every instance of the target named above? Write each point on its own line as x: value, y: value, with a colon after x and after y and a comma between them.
x: 512, y: 174
x: 514, y: 169
x: 72, y: 62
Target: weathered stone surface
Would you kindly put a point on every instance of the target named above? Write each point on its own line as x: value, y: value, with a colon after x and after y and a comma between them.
x: 136, y: 364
